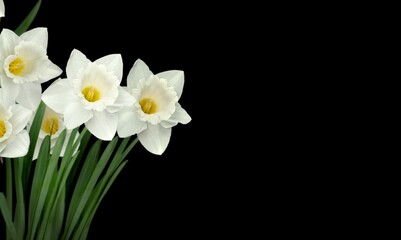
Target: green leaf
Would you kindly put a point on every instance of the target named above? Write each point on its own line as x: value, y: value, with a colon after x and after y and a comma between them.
x: 19, y: 219
x: 103, y: 185
x: 43, y: 226
x: 48, y: 188
x: 89, y: 188
x: 37, y: 183
x: 33, y: 136
x: 51, y: 229
x: 72, y: 145
x: 117, y: 158
x: 9, y: 182
x: 61, y: 189
x: 23, y: 27
x: 59, y: 216
x: 57, y: 193
x: 67, y: 163
x: 82, y: 147
x: 83, y: 228
x: 82, y: 182
x: 7, y: 216
x: 130, y: 147
x: 51, y: 178
x: 9, y: 186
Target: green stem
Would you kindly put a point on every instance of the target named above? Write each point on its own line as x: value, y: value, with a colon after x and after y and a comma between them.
x: 9, y: 188
x: 9, y: 183
x: 129, y: 148
x: 26, y: 23
x: 19, y: 218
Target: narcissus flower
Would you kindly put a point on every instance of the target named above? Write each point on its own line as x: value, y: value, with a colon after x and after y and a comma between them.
x: 90, y: 95
x: 155, y: 109
x: 53, y: 125
x: 25, y: 65
x: 14, y: 140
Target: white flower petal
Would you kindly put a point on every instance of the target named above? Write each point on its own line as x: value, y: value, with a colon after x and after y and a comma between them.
x: 168, y: 124
x: 10, y: 91
x: 113, y: 63
x: 75, y: 115
x: 2, y: 146
x: 37, y: 35
x: 59, y: 95
x: 17, y: 146
x: 138, y: 71
x: 8, y: 40
x: 30, y: 95
x: 51, y: 72
x: 103, y: 125
x: 129, y: 124
x: 155, y: 138
x: 2, y: 10
x: 175, y: 78
x: 20, y: 118
x: 76, y: 61
x: 180, y: 115
x: 123, y: 99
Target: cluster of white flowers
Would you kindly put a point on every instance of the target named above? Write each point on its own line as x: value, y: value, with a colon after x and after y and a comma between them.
x: 90, y: 95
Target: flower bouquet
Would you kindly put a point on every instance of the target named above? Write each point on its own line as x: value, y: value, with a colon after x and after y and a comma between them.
x: 64, y: 147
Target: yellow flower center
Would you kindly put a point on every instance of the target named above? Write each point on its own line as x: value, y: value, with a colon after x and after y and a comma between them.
x: 3, y: 129
x: 91, y: 94
x: 17, y: 66
x: 148, y: 105
x: 50, y: 125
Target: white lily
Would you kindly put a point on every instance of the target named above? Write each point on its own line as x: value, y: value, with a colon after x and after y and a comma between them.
x: 25, y: 65
x: 90, y: 95
x: 155, y: 109
x: 14, y: 139
x: 53, y: 125
x: 2, y: 9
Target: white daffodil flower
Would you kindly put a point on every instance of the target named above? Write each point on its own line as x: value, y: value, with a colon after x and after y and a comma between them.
x: 25, y: 65
x: 90, y: 95
x: 155, y: 109
x: 2, y: 9
x: 14, y: 139
x: 53, y: 125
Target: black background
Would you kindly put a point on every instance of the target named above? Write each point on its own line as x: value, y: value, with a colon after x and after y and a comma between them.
x: 176, y: 194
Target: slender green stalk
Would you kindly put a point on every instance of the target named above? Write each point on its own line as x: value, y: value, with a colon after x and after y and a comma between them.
x: 35, y: 202
x: 59, y: 216
x: 82, y: 147
x: 9, y: 188
x: 83, y: 179
x: 93, y: 204
x: 24, y: 25
x: 67, y: 162
x: 33, y: 136
x: 102, y: 187
x: 59, y: 193
x: 5, y: 210
x: 73, y: 221
x: 19, y: 219
x: 9, y: 184
x: 129, y: 148
x: 48, y: 204
x: 48, y: 187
